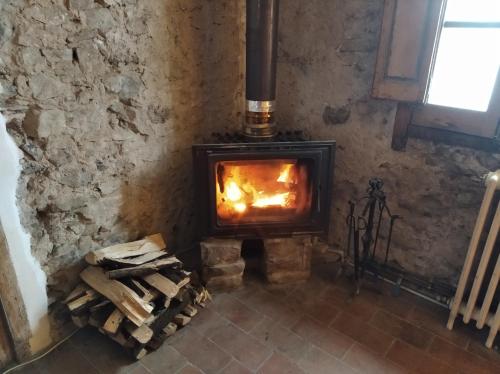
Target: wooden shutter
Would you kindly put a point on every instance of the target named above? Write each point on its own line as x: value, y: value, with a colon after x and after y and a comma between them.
x: 408, y: 37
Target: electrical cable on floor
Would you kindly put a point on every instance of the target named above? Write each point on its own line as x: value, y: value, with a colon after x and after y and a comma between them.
x: 42, y: 355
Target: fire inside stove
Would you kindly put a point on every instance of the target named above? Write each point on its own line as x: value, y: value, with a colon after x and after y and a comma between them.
x: 262, y: 190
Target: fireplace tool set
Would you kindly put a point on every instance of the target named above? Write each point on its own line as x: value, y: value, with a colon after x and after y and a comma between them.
x: 364, y: 230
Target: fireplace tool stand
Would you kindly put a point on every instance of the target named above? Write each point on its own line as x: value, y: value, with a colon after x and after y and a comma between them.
x: 364, y: 231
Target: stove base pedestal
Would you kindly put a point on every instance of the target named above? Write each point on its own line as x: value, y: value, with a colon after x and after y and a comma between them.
x: 287, y: 260
x: 222, y: 263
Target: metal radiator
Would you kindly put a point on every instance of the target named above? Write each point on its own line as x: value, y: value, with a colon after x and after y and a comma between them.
x: 469, y: 308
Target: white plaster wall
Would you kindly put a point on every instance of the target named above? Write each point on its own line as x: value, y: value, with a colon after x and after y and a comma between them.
x: 31, y: 279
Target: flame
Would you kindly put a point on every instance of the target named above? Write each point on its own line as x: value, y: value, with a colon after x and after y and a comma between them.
x: 285, y: 174
x: 246, y: 188
x: 240, y: 207
x: 276, y: 200
x: 233, y: 192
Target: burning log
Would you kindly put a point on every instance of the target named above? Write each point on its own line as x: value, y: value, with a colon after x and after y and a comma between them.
x: 136, y: 294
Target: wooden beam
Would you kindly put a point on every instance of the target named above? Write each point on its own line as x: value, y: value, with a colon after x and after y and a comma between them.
x: 16, y: 324
x: 402, y: 122
x: 454, y: 138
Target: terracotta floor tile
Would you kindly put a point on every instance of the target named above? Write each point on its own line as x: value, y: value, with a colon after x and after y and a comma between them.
x: 102, y: 352
x: 459, y: 358
x: 329, y: 340
x: 139, y: 369
x: 201, y: 351
x: 207, y: 321
x: 313, y: 289
x: 66, y: 359
x: 316, y: 361
x: 356, y: 306
x: 235, y: 367
x: 417, y: 360
x: 401, y: 329
x: 188, y: 369
x: 401, y: 305
x: 356, y: 328
x: 238, y: 313
x: 280, y: 338
x: 321, y: 310
x: 477, y: 347
x: 365, y: 361
x: 338, y: 294
x: 28, y: 369
x: 164, y: 360
x: 280, y: 310
x: 434, y: 319
x: 279, y: 364
x: 245, y: 348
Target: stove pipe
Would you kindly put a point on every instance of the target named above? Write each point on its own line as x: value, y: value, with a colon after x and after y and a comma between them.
x: 261, y: 53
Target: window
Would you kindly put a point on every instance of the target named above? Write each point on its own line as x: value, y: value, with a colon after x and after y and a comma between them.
x: 440, y: 60
x: 468, y: 55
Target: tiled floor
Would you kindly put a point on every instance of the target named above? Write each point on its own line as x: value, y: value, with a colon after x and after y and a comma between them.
x: 316, y: 327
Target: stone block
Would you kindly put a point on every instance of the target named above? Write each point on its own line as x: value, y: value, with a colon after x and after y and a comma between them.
x: 100, y: 18
x: 287, y: 259
x: 236, y: 268
x: 44, y: 123
x: 220, y: 251
x: 46, y: 87
x: 224, y: 283
x: 126, y: 86
x: 5, y: 30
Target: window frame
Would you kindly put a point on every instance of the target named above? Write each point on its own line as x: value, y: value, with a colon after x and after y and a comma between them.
x: 417, y: 119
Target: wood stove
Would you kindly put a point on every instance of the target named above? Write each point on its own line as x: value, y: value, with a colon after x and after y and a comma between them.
x: 260, y: 185
x: 268, y: 189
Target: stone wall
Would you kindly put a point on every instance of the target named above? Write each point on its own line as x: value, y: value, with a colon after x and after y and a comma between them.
x: 325, y: 71
x: 105, y: 99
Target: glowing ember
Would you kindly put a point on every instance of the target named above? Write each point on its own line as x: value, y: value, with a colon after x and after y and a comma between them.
x: 248, y: 188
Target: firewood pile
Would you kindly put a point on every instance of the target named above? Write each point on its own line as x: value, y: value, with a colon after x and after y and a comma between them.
x: 136, y: 293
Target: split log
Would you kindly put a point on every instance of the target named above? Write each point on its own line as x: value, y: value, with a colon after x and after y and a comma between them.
x: 139, y: 352
x: 101, y: 305
x: 98, y: 316
x: 113, y: 322
x: 166, y: 316
x: 190, y: 311
x: 122, y: 340
x: 145, y: 269
x: 160, y: 337
x: 129, y: 303
x: 142, y: 334
x: 152, y: 243
x: 162, y: 284
x: 88, y: 299
x: 148, y: 295
x: 170, y: 329
x: 79, y: 291
x: 139, y: 260
x: 182, y: 320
